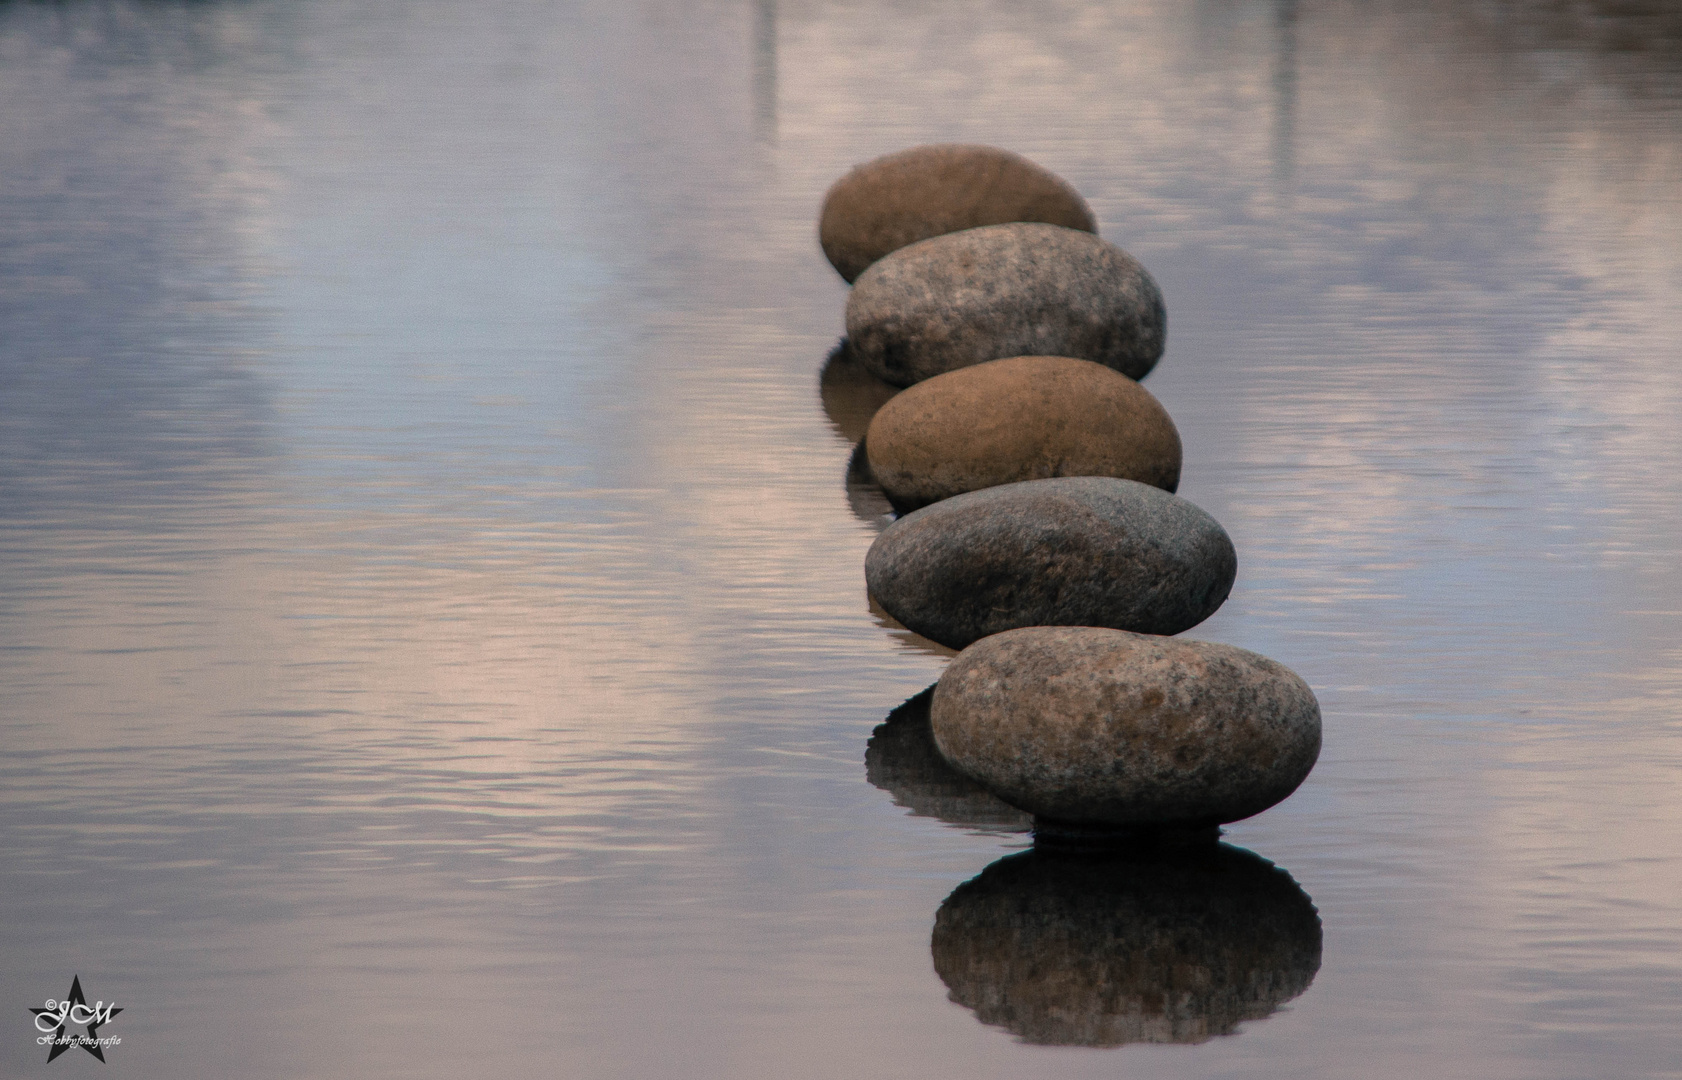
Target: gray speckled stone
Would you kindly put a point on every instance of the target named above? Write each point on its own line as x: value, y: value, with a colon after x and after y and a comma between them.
x: 926, y: 191
x: 1101, y: 727
x: 1169, y: 949
x: 1005, y: 290
x: 1071, y: 551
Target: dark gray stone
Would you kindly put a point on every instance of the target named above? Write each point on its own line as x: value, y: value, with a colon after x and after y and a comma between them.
x: 1096, y: 727
x: 1071, y: 551
x: 1005, y: 290
x: 925, y: 191
x: 901, y: 759
x: 1172, y: 948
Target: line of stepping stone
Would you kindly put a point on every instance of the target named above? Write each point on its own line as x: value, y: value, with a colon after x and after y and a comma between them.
x: 1039, y: 532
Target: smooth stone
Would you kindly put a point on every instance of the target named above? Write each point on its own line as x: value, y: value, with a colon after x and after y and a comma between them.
x: 1005, y: 290
x: 902, y: 198
x: 1021, y: 418
x: 1071, y: 551
x: 901, y: 759
x: 1097, y: 727
x: 1177, y: 948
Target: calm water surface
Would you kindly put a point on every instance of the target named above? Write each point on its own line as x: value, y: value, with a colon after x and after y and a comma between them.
x: 433, y: 638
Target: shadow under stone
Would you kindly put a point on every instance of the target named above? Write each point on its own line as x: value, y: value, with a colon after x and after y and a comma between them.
x: 864, y: 496
x: 850, y: 394
x: 908, y: 639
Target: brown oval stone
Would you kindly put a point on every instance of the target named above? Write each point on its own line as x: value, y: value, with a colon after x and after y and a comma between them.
x: 902, y: 198
x: 1022, y: 418
x: 1091, y: 726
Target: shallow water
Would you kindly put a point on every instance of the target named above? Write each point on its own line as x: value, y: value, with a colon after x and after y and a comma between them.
x: 432, y: 629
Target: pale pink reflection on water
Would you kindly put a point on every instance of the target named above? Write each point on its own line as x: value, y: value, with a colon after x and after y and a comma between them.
x: 432, y: 627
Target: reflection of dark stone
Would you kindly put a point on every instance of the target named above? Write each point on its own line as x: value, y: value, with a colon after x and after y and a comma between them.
x: 1071, y: 551
x: 1165, y: 946
x: 901, y: 759
x: 850, y: 394
x: 864, y: 494
x: 912, y: 641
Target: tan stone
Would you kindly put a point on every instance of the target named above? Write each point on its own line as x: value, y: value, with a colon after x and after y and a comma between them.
x: 1092, y: 726
x: 1022, y: 418
x: 902, y: 198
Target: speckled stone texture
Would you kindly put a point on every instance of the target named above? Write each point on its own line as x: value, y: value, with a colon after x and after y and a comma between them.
x: 1064, y: 951
x: 1021, y: 418
x: 1099, y: 727
x: 901, y: 759
x: 885, y: 204
x: 1005, y: 290
x: 1073, y: 551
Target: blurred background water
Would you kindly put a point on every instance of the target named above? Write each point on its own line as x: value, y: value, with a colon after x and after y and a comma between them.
x: 433, y: 638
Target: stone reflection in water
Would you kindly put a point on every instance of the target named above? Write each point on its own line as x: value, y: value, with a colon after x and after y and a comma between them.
x: 851, y: 395
x: 1170, y: 946
x: 901, y: 759
x: 865, y: 496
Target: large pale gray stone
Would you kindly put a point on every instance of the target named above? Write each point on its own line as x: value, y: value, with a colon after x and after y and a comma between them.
x: 925, y: 191
x: 1172, y: 948
x: 1021, y: 418
x: 1074, y: 551
x: 1096, y: 727
x: 1005, y: 290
